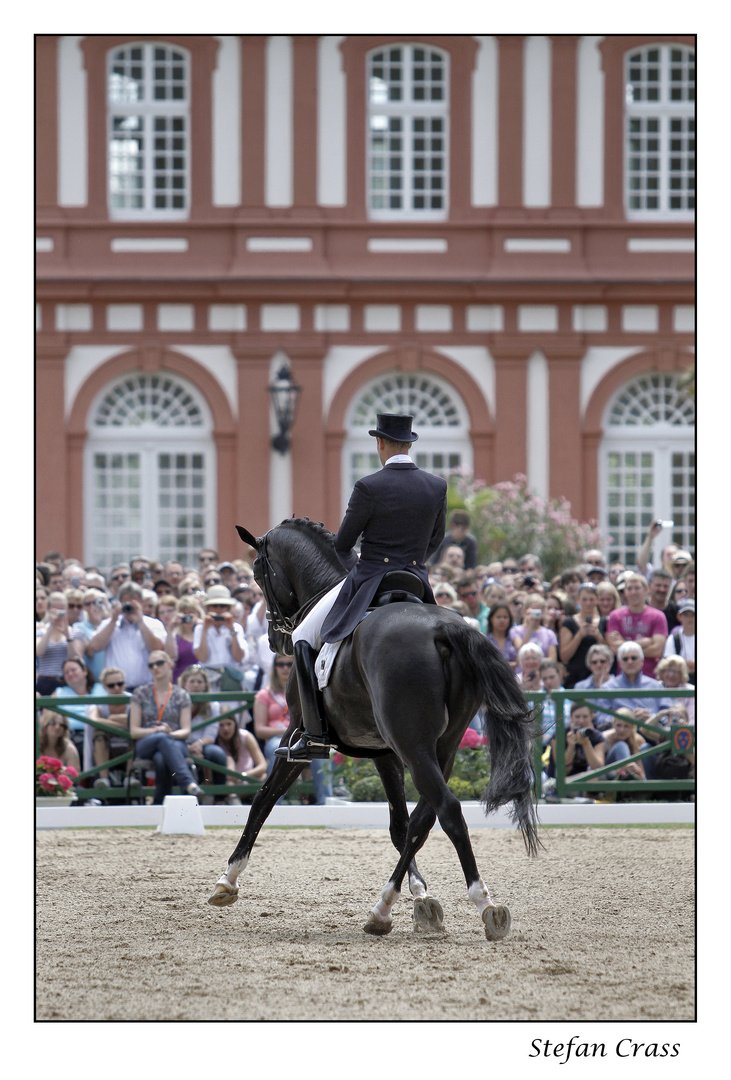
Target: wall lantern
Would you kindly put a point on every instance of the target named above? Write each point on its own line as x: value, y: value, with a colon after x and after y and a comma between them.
x: 284, y: 393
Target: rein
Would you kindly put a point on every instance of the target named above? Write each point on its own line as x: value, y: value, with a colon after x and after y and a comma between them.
x: 284, y: 624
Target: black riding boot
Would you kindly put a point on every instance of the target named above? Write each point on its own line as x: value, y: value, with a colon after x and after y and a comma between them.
x: 313, y: 742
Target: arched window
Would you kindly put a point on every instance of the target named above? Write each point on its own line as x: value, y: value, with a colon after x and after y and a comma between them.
x: 408, y: 136
x: 440, y: 419
x: 150, y: 471
x: 148, y: 104
x: 648, y: 464
x: 660, y: 132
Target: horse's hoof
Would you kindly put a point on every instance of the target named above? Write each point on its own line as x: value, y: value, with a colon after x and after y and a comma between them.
x: 428, y: 915
x: 378, y: 927
x: 223, y: 895
x: 496, y: 921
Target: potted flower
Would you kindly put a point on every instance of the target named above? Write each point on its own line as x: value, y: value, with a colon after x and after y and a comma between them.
x: 54, y: 782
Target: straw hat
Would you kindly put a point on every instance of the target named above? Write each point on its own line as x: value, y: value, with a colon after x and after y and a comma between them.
x: 218, y: 594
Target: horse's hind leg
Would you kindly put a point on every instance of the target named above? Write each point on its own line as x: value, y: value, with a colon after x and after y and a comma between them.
x: 279, y: 781
x: 391, y: 771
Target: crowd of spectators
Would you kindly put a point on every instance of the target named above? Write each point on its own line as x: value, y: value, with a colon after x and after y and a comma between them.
x: 152, y: 634
x: 147, y: 625
x: 593, y: 626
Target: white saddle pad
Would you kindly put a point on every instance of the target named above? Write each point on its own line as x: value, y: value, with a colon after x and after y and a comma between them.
x: 325, y: 661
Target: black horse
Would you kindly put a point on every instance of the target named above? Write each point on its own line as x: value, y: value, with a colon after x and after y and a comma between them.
x: 402, y: 690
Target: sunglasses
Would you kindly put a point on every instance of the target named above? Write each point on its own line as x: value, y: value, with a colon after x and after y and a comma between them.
x: 121, y: 577
x: 634, y: 656
x: 58, y: 723
x: 74, y: 607
x: 157, y: 663
x: 282, y: 663
x: 117, y: 685
x: 472, y: 592
x: 598, y: 660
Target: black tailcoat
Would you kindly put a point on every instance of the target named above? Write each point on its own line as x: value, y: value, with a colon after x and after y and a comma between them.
x: 401, y: 512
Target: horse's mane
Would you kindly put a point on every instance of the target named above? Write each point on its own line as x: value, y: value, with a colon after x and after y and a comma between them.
x: 324, y: 539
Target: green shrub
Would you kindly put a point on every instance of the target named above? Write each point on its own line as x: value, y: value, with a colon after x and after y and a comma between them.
x: 469, y: 777
x: 368, y: 789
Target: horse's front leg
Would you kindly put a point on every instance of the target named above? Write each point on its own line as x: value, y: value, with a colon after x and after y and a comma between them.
x: 281, y: 778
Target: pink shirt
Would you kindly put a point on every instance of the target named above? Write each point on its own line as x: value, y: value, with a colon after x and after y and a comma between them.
x: 637, y: 624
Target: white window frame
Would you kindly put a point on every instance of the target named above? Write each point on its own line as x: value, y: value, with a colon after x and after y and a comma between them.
x: 663, y: 111
x: 661, y: 439
x: 149, y: 440
x: 149, y: 109
x: 408, y: 110
x: 432, y: 439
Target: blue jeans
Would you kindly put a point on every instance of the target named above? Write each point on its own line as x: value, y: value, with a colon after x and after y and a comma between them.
x: 618, y: 752
x: 170, y: 765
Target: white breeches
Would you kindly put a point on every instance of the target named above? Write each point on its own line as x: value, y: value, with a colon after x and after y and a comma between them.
x: 309, y: 629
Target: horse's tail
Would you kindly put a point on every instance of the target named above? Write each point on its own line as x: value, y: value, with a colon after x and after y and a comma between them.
x: 511, y: 728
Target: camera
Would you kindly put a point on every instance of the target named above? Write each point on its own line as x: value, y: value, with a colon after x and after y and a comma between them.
x: 535, y: 612
x: 128, y: 608
x: 587, y: 620
x: 582, y: 732
x: 665, y: 524
x: 529, y: 581
x: 186, y: 618
x: 218, y: 618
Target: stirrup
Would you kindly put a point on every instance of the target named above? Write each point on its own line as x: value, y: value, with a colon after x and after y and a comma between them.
x: 307, y: 748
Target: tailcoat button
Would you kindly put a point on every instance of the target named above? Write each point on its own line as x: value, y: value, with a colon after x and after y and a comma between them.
x: 385, y: 560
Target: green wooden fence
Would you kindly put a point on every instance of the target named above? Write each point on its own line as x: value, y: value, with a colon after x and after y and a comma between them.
x: 678, y: 738
x: 242, y: 786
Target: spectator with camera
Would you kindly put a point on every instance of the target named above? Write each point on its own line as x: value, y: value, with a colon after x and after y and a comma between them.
x: 53, y: 645
x: 665, y: 765
x: 128, y: 637
x: 219, y: 641
x: 644, y: 555
x: 585, y: 746
x: 532, y: 629
x: 530, y: 656
x: 96, y: 608
x: 181, y: 630
x: 577, y: 635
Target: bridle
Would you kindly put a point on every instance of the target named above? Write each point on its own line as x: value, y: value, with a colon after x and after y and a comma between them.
x: 284, y: 624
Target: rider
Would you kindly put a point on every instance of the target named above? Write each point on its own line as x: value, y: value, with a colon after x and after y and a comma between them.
x: 401, y: 512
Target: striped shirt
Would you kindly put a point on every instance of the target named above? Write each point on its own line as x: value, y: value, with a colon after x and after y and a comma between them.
x: 127, y: 650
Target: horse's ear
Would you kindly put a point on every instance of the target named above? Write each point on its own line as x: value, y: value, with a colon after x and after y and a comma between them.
x: 246, y: 536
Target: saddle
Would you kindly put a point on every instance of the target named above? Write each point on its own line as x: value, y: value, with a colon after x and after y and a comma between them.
x: 398, y: 587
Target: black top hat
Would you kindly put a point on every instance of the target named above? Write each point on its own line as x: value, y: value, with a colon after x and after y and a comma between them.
x: 395, y: 427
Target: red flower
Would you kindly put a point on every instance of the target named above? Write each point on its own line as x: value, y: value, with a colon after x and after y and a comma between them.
x: 471, y: 739
x: 48, y: 782
x: 65, y: 781
x: 338, y: 758
x: 70, y: 771
x: 50, y: 764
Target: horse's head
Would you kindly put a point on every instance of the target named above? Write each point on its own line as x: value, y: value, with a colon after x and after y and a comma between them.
x: 295, y: 563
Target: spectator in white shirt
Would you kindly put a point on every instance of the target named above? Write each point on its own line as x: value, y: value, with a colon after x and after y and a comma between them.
x: 219, y: 640
x: 128, y: 637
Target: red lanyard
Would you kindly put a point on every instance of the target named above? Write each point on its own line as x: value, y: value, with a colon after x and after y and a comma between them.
x: 160, y: 710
